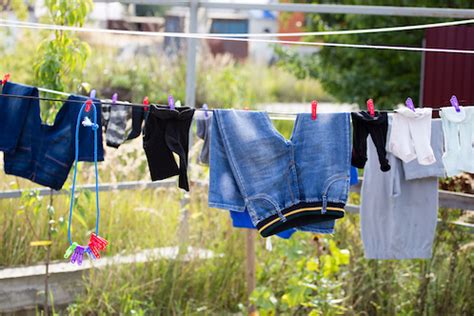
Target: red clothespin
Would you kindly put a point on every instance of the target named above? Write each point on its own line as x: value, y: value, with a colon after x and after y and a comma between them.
x: 146, y: 102
x: 409, y: 104
x: 455, y: 103
x: 371, y: 107
x: 89, y: 102
x: 314, y: 105
x: 88, y: 105
x: 5, y: 79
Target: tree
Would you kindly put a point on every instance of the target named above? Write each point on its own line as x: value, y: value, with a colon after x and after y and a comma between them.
x: 355, y: 75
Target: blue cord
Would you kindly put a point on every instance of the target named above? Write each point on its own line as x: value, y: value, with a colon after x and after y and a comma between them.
x: 95, y: 126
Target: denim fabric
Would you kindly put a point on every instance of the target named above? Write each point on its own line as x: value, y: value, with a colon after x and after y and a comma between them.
x: 243, y: 220
x: 42, y: 153
x: 302, y: 182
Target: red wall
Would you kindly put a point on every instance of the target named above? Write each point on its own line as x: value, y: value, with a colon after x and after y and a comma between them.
x: 446, y: 74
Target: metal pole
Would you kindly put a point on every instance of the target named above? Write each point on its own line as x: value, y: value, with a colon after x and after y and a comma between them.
x: 250, y: 267
x: 191, y: 58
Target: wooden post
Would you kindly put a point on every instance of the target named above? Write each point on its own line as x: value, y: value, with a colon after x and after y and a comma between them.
x: 250, y: 266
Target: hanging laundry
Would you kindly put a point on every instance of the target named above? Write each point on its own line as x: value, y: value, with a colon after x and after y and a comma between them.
x: 299, y: 183
x: 458, y: 139
x: 138, y: 116
x: 399, y: 209
x: 36, y: 151
x: 116, y: 124
x: 203, y: 131
x: 411, y: 134
x: 243, y: 220
x: 364, y: 125
x: 167, y: 132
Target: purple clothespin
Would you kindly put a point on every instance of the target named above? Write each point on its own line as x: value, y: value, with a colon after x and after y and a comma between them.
x: 455, y: 103
x: 204, y: 106
x: 114, y: 98
x: 409, y: 104
x: 171, y: 102
x: 78, y: 255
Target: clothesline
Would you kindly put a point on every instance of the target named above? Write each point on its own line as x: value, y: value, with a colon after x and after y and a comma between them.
x: 225, y: 37
x: 138, y: 104
x: 277, y: 34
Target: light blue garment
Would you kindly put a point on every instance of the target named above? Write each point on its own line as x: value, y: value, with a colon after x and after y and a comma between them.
x: 302, y: 182
x: 399, y: 208
x: 458, y: 130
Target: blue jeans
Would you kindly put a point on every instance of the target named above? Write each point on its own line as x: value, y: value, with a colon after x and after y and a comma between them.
x: 302, y: 182
x: 39, y: 152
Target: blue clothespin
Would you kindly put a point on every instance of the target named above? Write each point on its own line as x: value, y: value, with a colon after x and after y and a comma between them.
x: 204, y: 106
x: 171, y: 102
x: 409, y: 104
x: 455, y: 103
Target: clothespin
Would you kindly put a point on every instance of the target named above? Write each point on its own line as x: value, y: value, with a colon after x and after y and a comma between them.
x: 314, y: 105
x: 97, y: 244
x: 70, y: 250
x: 409, y: 104
x: 5, y: 79
x: 371, y: 107
x: 455, y: 103
x: 146, y: 102
x: 89, y: 102
x: 204, y: 106
x: 171, y: 102
x: 78, y: 255
x: 114, y: 98
x: 178, y: 103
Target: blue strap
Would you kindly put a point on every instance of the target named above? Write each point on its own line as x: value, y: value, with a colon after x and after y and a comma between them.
x: 95, y: 126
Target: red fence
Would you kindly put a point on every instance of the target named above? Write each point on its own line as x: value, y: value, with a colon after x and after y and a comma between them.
x: 448, y: 74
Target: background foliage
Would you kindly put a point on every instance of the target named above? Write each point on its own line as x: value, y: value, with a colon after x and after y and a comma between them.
x: 355, y: 75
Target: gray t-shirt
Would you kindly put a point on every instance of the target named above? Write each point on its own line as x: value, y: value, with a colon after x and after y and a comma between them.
x: 399, y: 208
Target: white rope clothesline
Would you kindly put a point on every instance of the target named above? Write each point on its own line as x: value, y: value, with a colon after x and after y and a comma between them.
x: 319, y: 33
x: 31, y: 25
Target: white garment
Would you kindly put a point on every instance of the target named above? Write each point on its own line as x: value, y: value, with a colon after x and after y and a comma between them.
x: 458, y: 130
x: 411, y: 134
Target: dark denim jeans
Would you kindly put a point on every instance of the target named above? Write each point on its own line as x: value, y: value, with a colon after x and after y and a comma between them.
x: 39, y: 152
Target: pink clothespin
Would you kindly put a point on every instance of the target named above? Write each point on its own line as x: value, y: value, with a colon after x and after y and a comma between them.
x: 204, y: 106
x: 171, y: 102
x: 371, y: 107
x: 89, y: 102
x: 455, y: 103
x: 146, y: 102
x: 409, y: 104
x: 5, y: 79
x: 314, y: 105
x: 114, y: 98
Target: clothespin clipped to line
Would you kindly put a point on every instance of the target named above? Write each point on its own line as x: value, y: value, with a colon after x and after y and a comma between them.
x: 89, y: 101
x: 314, y: 105
x: 204, y: 106
x: 171, y: 102
x: 409, y: 104
x: 371, y: 107
x: 455, y: 103
x: 146, y: 102
x: 114, y: 98
x: 5, y: 79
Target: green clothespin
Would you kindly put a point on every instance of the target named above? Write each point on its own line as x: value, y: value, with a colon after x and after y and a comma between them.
x: 70, y: 250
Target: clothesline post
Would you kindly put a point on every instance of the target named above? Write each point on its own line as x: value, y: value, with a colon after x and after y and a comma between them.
x: 191, y: 56
x: 250, y: 267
